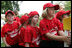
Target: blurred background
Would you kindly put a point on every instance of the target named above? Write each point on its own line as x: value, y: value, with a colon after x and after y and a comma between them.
x: 26, y: 6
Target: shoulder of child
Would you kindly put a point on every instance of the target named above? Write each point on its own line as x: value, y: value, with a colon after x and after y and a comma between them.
x: 42, y: 21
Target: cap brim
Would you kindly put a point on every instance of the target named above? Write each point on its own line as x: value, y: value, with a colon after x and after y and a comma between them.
x: 56, y: 7
x: 11, y: 12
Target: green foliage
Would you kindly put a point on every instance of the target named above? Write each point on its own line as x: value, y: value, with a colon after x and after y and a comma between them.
x: 2, y: 45
x: 19, y: 16
x: 5, y: 5
x: 68, y: 5
x: 9, y: 5
x: 56, y: 11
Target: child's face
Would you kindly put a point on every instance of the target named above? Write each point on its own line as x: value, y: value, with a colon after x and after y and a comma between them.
x: 35, y: 19
x: 51, y: 11
x: 10, y: 17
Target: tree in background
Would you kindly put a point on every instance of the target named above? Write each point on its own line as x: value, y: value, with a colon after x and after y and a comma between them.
x: 67, y: 5
x: 9, y: 5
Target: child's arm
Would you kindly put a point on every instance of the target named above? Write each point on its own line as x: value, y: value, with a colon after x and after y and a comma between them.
x: 26, y: 44
x: 61, y: 33
x: 3, y: 35
x: 4, y: 40
x: 58, y: 38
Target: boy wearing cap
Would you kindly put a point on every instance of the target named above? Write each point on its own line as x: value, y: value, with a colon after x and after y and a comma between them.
x: 50, y: 28
x: 24, y: 21
x: 9, y: 31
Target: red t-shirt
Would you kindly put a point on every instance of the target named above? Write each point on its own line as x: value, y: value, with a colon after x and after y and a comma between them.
x: 32, y: 36
x: 17, y: 19
x: 10, y: 31
x: 62, y: 26
x: 21, y: 35
x: 51, y: 26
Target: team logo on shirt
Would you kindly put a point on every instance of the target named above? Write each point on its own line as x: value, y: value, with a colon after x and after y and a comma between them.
x: 13, y: 33
x: 53, y: 31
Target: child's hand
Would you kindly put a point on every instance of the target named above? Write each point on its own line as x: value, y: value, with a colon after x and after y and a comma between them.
x: 69, y: 42
x: 67, y: 39
x: 7, y: 45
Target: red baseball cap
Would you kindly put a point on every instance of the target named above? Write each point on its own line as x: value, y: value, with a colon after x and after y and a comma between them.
x: 24, y: 18
x: 32, y: 13
x: 60, y: 13
x: 9, y: 11
x: 67, y: 12
x: 56, y: 7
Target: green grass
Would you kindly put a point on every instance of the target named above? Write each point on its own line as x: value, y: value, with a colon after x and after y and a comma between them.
x: 2, y: 45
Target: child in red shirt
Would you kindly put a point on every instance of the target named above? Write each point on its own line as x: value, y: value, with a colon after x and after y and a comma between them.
x: 32, y: 32
x: 50, y: 28
x: 62, y: 14
x: 9, y: 31
x: 24, y: 21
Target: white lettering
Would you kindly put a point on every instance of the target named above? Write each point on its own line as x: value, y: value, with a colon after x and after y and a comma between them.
x: 13, y: 33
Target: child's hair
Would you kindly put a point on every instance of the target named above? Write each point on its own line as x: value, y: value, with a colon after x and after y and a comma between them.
x: 44, y: 14
x: 15, y: 11
x: 26, y: 14
x: 6, y: 20
x: 30, y: 20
